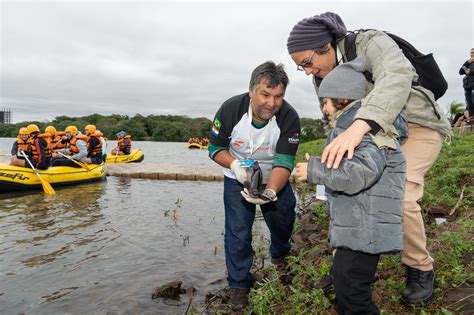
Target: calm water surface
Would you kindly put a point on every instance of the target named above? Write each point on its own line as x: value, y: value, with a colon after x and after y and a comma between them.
x: 102, y: 247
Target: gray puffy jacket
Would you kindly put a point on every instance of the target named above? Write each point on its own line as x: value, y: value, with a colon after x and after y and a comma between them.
x: 365, y: 194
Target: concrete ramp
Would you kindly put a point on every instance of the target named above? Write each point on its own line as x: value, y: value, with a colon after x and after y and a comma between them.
x: 165, y: 171
x: 168, y: 172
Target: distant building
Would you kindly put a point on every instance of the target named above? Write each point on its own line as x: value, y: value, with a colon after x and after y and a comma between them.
x: 5, y: 116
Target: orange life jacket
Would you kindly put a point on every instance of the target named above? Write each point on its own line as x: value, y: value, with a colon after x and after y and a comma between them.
x: 121, y: 143
x: 22, y: 145
x: 98, y: 148
x: 56, y: 143
x: 35, y: 150
x: 72, y: 143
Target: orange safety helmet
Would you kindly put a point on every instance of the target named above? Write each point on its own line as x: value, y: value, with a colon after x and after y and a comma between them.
x: 71, y: 129
x: 23, y: 131
x: 51, y: 130
x: 90, y: 129
x: 32, y: 128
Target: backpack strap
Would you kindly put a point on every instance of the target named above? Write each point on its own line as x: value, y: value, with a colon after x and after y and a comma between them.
x: 408, y: 50
x: 349, y: 46
x: 350, y: 51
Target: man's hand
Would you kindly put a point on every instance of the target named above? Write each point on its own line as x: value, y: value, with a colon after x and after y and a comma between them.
x: 240, y: 172
x: 267, y: 196
x: 345, y: 142
x: 301, y: 172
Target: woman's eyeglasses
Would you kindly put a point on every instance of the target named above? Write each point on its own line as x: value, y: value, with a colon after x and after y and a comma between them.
x: 308, y: 63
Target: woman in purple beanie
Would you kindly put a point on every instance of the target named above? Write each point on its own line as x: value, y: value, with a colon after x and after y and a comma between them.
x: 317, y: 45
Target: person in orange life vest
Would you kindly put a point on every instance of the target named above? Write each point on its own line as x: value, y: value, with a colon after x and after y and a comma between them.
x: 21, y: 144
x: 49, y: 134
x: 40, y: 149
x: 76, y: 148
x: 103, y: 140
x: 60, y: 142
x: 55, y: 137
x: 94, y: 145
x: 124, y: 144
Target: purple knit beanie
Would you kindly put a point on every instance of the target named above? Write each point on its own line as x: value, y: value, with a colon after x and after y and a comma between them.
x: 315, y: 32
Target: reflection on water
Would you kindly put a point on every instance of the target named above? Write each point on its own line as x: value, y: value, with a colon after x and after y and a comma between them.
x: 46, y: 219
x: 102, y: 247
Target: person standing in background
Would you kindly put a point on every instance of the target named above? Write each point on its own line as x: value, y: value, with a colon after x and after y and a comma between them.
x: 467, y: 70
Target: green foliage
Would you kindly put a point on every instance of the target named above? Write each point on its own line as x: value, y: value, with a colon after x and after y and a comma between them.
x: 311, y: 129
x: 313, y: 148
x: 454, y: 260
x: 271, y: 296
x: 152, y: 127
x: 455, y: 108
x: 320, y: 212
x: 451, y: 174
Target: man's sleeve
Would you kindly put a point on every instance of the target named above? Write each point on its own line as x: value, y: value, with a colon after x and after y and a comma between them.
x: 221, y: 130
x: 289, y: 140
x: 14, y: 150
x: 462, y: 71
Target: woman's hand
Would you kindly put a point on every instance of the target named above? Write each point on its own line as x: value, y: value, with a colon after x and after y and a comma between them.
x: 345, y: 142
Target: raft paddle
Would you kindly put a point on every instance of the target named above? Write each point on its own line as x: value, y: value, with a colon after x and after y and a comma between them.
x: 75, y: 161
x: 116, y: 154
x: 48, y: 189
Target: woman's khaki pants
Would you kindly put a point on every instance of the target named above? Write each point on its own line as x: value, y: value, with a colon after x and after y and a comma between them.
x: 420, y: 150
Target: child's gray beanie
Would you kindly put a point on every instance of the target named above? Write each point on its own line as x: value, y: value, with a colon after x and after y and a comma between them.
x: 346, y: 81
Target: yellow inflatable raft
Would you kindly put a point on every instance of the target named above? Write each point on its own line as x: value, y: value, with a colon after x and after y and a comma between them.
x: 135, y: 156
x: 197, y: 146
x: 15, y: 178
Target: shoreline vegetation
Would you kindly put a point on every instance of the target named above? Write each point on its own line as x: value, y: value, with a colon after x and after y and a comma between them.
x: 449, y: 194
x: 165, y: 128
x: 448, y: 211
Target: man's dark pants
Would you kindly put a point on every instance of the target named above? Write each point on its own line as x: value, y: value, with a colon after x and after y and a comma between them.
x: 239, y: 216
x: 353, y: 274
x: 469, y: 93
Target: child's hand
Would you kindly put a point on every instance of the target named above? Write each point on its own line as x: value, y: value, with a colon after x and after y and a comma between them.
x: 301, y: 172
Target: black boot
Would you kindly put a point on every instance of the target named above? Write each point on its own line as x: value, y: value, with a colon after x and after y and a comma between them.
x: 419, y: 288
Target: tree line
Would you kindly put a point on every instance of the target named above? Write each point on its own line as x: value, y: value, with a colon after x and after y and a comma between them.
x: 168, y: 128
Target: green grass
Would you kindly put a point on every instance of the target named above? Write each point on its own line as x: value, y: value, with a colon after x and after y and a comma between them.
x: 313, y: 148
x: 452, y: 171
x: 450, y: 244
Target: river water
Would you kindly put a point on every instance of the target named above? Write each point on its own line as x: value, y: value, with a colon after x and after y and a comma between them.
x: 102, y: 247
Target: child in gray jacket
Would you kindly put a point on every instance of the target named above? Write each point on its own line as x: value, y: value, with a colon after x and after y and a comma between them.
x: 365, y: 194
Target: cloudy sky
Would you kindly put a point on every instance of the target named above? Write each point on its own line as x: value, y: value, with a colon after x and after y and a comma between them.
x: 185, y: 58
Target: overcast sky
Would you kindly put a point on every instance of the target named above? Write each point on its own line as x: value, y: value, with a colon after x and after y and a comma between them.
x: 155, y: 57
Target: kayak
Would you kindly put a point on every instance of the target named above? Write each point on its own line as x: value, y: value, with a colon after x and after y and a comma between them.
x: 197, y: 146
x: 135, y: 156
x: 16, y: 178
